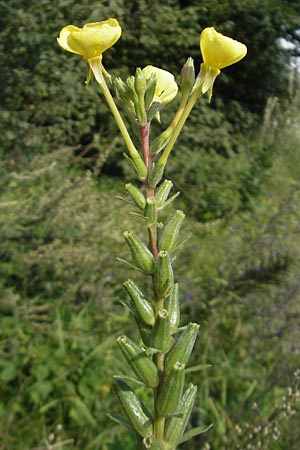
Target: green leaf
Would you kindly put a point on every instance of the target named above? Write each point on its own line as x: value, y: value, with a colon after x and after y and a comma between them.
x: 198, y: 367
x: 192, y: 433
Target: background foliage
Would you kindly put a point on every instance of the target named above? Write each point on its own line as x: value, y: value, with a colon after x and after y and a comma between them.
x: 237, y: 166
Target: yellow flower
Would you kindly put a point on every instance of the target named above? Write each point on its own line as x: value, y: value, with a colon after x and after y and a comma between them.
x: 219, y: 51
x: 92, y: 40
x: 166, y: 87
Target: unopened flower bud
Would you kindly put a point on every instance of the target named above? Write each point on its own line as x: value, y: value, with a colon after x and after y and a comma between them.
x: 187, y: 76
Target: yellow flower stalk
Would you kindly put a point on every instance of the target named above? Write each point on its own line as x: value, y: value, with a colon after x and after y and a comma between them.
x: 166, y: 86
x: 92, y: 40
x: 219, y: 51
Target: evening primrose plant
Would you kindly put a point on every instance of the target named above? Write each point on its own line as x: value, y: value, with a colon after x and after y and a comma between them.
x: 160, y: 360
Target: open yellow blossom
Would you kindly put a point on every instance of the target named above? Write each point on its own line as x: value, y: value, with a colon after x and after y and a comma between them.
x: 219, y: 51
x: 92, y: 40
x: 166, y: 86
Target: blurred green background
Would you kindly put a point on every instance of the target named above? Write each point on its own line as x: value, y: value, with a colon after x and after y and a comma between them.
x: 237, y: 165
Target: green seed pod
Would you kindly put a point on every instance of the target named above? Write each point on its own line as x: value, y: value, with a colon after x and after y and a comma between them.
x: 136, y: 194
x: 175, y: 426
x: 156, y: 174
x: 161, y: 141
x: 151, y: 443
x: 146, y: 333
x: 163, y: 275
x: 169, y: 235
x: 139, y: 167
x: 143, y: 307
x: 169, y: 398
x: 163, y: 192
x: 141, y: 255
x: 141, y: 364
x: 150, y: 210
x: 134, y: 409
x: 162, y: 339
x: 182, y: 349
x: 173, y: 308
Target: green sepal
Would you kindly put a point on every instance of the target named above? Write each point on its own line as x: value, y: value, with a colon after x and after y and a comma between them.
x: 154, y: 111
x: 141, y: 255
x: 182, y: 349
x: 150, y: 211
x: 136, y: 195
x: 161, y: 335
x: 143, y: 307
x: 175, y: 426
x: 163, y: 279
x: 135, y: 410
x: 162, y: 193
x: 169, y: 398
x: 151, y: 443
x: 143, y: 366
x: 169, y: 234
x: 150, y: 91
x: 173, y: 308
x: 156, y: 174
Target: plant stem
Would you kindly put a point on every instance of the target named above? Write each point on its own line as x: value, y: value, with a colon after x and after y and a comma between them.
x: 97, y: 69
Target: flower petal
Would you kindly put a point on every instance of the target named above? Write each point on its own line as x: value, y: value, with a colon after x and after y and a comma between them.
x: 166, y: 86
x: 220, y: 51
x: 92, y: 40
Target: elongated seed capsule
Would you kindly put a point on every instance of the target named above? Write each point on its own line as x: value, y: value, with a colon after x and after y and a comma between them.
x: 141, y: 255
x: 161, y: 334
x: 163, y: 275
x: 136, y: 194
x: 146, y: 333
x: 176, y: 425
x: 134, y: 409
x: 156, y: 174
x: 169, y: 235
x: 182, y: 349
x: 139, y: 166
x: 173, y: 308
x: 141, y: 364
x: 143, y: 307
x: 161, y: 141
x: 150, y: 210
x: 169, y: 398
x: 151, y: 443
x: 163, y: 192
